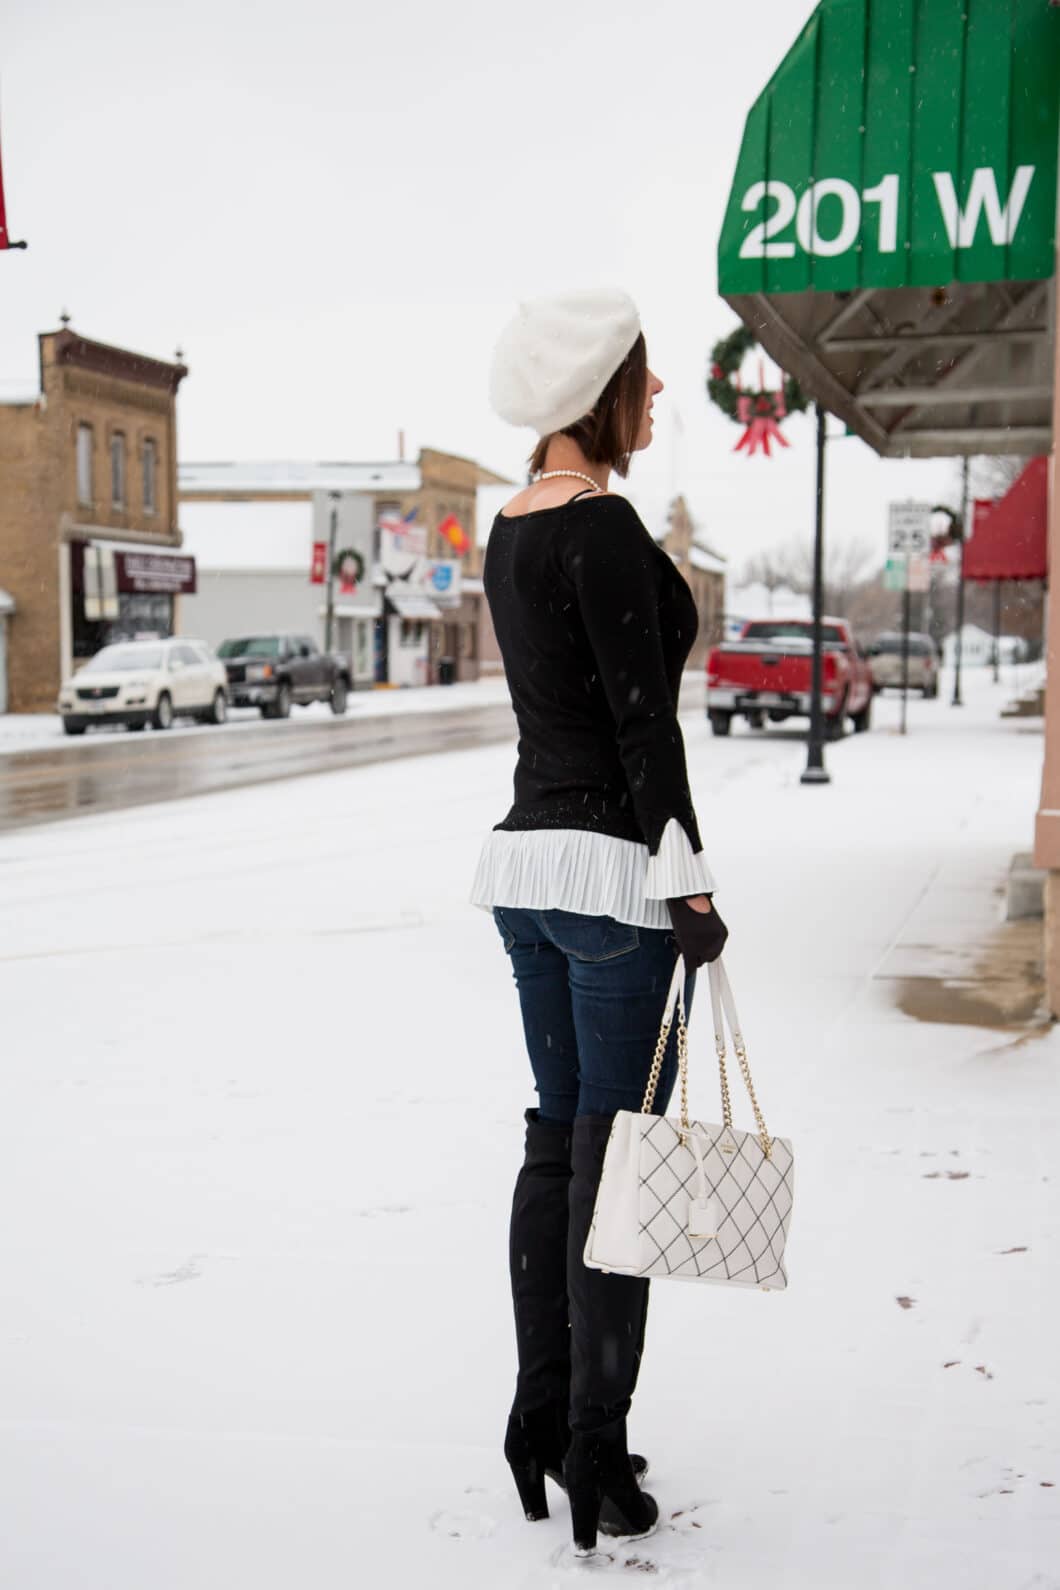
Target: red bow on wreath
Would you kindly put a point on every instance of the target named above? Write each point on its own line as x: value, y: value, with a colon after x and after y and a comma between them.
x: 761, y: 412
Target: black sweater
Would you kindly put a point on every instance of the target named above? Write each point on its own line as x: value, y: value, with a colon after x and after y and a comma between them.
x: 595, y: 625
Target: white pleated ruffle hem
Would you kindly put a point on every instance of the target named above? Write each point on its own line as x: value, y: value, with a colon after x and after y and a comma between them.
x: 569, y: 869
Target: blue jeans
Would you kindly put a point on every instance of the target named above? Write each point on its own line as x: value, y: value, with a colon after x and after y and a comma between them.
x: 592, y: 992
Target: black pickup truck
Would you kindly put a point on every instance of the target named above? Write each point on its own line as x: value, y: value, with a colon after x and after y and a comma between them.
x: 274, y: 672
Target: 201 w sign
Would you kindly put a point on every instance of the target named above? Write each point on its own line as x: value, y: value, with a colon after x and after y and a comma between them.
x: 765, y: 240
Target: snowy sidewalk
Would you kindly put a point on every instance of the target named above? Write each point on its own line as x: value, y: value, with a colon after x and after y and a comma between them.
x: 263, y: 1087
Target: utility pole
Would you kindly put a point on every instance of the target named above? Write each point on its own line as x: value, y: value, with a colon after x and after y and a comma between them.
x: 815, y: 771
x: 333, y: 528
x: 957, y: 639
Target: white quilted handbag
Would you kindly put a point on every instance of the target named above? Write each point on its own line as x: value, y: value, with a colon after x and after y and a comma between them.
x: 685, y: 1199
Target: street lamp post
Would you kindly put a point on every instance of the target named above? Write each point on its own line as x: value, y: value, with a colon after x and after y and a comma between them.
x: 815, y: 771
x: 958, y: 637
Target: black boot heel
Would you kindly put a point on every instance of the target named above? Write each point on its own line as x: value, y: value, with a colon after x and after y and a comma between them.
x: 530, y: 1483
x: 585, y: 1500
x: 603, y: 1491
x: 534, y: 1445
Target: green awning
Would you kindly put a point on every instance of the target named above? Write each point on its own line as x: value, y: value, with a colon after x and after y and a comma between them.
x: 897, y: 181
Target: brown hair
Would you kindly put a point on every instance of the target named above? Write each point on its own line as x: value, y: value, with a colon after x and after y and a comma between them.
x: 608, y: 433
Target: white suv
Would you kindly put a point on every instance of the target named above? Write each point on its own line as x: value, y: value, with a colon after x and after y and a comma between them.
x: 146, y: 681
x: 885, y: 662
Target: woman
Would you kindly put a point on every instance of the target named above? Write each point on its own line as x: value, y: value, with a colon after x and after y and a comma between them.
x: 592, y: 874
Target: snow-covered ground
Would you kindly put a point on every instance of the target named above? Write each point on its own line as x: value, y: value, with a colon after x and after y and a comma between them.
x: 31, y: 731
x: 263, y: 1082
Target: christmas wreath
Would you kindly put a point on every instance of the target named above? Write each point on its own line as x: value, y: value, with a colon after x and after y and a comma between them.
x: 759, y: 410
x: 348, y: 568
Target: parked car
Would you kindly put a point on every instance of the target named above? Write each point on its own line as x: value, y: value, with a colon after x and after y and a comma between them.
x: 274, y: 672
x: 766, y: 674
x: 885, y: 662
x: 138, y: 682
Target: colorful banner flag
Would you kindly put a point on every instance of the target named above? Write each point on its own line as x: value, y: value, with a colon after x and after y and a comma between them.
x: 452, y: 530
x: 318, y: 572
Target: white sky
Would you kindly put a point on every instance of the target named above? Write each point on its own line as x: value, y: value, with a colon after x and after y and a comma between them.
x: 332, y: 208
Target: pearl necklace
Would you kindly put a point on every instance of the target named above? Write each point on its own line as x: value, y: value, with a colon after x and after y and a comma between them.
x: 555, y: 474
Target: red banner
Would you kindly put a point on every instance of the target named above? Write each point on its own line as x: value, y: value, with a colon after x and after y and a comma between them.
x: 318, y: 572
x: 3, y: 212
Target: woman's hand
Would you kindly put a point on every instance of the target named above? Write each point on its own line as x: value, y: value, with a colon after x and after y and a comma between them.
x: 698, y: 929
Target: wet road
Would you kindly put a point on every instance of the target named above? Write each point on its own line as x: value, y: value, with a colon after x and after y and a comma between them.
x: 115, y: 771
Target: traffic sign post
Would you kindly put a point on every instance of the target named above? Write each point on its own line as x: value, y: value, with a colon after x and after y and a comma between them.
x: 905, y: 654
x: 907, y: 570
x: 909, y: 529
x: 918, y: 575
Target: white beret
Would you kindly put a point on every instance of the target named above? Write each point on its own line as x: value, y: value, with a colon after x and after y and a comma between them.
x: 555, y: 357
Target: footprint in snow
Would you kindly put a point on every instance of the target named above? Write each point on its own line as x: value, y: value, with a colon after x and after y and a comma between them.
x: 660, y: 1559
x: 463, y: 1526
x: 190, y: 1270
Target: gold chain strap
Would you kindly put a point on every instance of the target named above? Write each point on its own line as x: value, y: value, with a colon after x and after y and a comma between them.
x: 682, y: 1070
x: 740, y: 1049
x: 682, y: 1066
x: 656, y: 1067
x: 763, y: 1136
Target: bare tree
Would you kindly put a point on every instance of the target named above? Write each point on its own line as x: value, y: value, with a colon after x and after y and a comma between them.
x: 992, y: 477
x: 768, y: 569
x: 849, y: 565
x: 871, y: 609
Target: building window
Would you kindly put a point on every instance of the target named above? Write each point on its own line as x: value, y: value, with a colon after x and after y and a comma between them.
x: 117, y: 470
x: 150, y: 498
x: 84, y: 463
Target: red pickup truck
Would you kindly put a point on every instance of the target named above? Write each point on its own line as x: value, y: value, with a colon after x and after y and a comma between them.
x: 766, y: 673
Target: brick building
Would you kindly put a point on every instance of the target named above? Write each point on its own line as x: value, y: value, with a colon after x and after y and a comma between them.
x: 704, y: 569
x: 89, y: 544
x: 251, y: 528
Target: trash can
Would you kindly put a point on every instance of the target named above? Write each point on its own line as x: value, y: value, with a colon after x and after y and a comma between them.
x: 447, y: 671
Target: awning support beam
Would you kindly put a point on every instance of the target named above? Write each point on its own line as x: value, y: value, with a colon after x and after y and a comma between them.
x: 918, y: 340
x: 1030, y: 439
x: 1034, y: 301
x: 852, y: 307
x: 921, y: 396
x: 941, y: 318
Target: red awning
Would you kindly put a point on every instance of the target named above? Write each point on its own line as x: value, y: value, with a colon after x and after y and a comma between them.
x: 1008, y: 540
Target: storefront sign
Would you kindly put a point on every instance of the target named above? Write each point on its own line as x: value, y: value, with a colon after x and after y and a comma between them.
x: 442, y: 580
x: 402, y: 555
x: 155, y: 574
x: 900, y: 143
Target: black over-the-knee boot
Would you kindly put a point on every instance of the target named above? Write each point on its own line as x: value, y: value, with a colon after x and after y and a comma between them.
x: 607, y: 1316
x: 536, y: 1439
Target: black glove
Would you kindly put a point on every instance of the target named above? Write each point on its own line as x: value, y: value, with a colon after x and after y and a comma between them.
x: 700, y: 935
